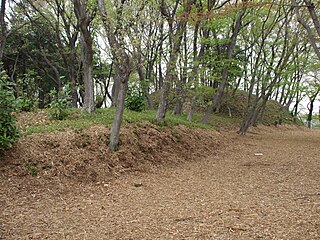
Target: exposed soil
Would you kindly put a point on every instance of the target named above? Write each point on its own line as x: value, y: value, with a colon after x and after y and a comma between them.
x: 164, y: 183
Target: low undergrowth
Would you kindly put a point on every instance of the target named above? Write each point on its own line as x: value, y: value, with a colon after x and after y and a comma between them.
x: 39, y: 122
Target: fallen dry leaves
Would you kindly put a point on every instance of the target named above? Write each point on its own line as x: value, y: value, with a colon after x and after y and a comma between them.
x: 176, y: 183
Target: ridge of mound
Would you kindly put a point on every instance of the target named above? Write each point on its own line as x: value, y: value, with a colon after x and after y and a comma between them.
x: 83, y: 155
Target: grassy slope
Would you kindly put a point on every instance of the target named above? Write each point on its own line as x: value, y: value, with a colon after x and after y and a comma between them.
x: 39, y: 123
x: 79, y: 120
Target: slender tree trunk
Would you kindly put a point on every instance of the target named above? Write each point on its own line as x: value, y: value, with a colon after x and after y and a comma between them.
x: 313, y: 14
x: 216, y: 102
x: 3, y: 29
x: 89, y: 104
x: 306, y: 26
x: 296, y: 107
x: 196, y: 59
x: 180, y: 86
x: 259, y: 110
x: 72, y: 77
x: 192, y: 108
x: 122, y: 75
x: 171, y: 66
x: 142, y: 75
x: 122, y: 72
x: 162, y: 109
x: 311, y: 107
x: 84, y: 20
x: 56, y: 78
x: 309, y: 118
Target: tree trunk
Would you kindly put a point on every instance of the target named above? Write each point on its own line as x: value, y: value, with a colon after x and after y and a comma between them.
x: 72, y: 77
x: 89, y: 104
x: 84, y: 20
x: 306, y: 26
x: 192, y: 108
x: 56, y: 78
x: 3, y: 29
x: 142, y: 76
x: 194, y: 75
x: 216, y: 102
x: 181, y: 84
x: 122, y: 73
x: 259, y: 110
x: 171, y: 66
x: 162, y: 109
x: 310, y: 108
x: 180, y: 98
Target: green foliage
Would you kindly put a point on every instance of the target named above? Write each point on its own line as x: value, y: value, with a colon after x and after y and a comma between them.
x: 59, y: 106
x: 204, y: 96
x: 135, y: 99
x: 8, y: 104
x: 25, y: 104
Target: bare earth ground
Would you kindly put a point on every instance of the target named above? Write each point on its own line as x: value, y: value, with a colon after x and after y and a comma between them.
x: 265, y: 185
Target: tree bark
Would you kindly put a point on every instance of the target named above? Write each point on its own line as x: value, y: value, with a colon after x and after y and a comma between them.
x: 123, y: 74
x: 306, y: 26
x: 122, y: 66
x: 142, y: 75
x: 216, y: 102
x: 171, y: 66
x: 311, y: 107
x: 181, y: 83
x: 254, y: 106
x: 84, y: 20
x: 57, y: 79
x: 3, y: 29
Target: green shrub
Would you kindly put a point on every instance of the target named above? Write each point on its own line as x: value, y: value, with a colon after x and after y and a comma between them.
x: 25, y: 104
x: 59, y: 106
x: 135, y: 100
x: 8, y: 104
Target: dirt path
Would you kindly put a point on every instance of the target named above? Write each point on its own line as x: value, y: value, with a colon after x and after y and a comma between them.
x: 265, y: 185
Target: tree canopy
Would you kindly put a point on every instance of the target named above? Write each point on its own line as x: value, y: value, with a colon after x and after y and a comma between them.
x: 97, y: 49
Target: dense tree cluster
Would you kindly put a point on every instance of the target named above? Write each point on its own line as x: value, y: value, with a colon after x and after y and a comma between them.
x: 98, y: 48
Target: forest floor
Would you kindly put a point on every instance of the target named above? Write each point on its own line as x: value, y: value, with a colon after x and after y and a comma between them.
x: 264, y: 185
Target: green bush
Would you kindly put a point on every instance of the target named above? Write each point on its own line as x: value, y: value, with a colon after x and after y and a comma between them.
x: 25, y: 104
x: 135, y: 100
x: 59, y: 107
x: 8, y: 104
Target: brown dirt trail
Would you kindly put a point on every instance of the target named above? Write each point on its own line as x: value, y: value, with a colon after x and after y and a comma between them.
x: 265, y: 185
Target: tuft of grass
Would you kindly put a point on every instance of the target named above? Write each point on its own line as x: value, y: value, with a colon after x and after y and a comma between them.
x: 31, y: 168
x: 174, y: 120
x: 77, y: 120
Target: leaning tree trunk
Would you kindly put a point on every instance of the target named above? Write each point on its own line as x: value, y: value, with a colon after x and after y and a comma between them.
x: 216, y: 102
x: 306, y: 25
